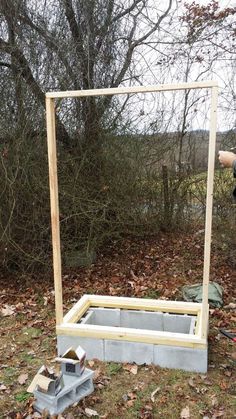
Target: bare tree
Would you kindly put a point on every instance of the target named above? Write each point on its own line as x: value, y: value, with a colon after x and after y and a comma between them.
x: 74, y: 44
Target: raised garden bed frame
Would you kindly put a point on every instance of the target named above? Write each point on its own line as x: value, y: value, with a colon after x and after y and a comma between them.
x: 68, y: 325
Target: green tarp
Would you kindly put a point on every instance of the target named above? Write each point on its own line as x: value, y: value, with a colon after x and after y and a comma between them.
x: 194, y: 293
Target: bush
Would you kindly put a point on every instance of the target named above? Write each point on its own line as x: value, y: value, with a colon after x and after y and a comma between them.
x: 127, y: 196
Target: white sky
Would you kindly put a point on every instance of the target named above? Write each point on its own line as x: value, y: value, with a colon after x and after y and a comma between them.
x: 221, y: 71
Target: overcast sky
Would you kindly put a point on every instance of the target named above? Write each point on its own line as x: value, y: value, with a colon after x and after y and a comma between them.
x: 221, y: 70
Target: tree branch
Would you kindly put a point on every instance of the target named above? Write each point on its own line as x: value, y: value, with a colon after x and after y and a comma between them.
x: 49, y: 40
x: 127, y: 10
x: 78, y: 41
x: 155, y: 27
x: 104, y: 29
x: 3, y: 64
x: 74, y: 27
x: 27, y: 75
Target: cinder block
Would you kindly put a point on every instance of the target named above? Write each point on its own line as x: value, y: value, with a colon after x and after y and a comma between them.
x: 94, y: 348
x: 176, y: 323
x: 122, y: 351
x: 192, y: 325
x: 139, y: 319
x: 106, y: 316
x: 88, y: 318
x: 75, y: 388
x: 188, y: 359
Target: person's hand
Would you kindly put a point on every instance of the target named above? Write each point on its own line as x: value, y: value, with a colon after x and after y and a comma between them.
x: 226, y: 158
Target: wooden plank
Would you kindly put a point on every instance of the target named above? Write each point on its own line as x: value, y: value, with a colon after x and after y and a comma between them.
x: 198, y: 325
x: 77, y: 311
x: 209, y: 204
x: 182, y: 307
x: 132, y: 335
x: 129, y: 90
x: 53, y: 182
x: 132, y: 306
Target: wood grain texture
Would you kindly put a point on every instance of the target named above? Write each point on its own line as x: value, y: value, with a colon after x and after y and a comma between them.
x: 53, y: 183
x: 132, y: 335
x: 129, y: 90
x: 209, y: 204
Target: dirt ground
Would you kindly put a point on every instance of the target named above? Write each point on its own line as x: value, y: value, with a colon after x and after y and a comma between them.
x: 152, y: 268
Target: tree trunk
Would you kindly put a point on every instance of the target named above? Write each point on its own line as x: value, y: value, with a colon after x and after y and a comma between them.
x: 166, y: 197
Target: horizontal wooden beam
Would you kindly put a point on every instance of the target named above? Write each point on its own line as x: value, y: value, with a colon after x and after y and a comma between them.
x: 132, y: 335
x: 130, y: 90
x: 181, y: 307
x: 77, y: 311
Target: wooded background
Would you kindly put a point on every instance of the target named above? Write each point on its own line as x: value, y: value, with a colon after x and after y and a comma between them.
x: 133, y: 164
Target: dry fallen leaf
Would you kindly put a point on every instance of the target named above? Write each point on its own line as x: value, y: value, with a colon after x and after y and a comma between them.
x: 206, y: 380
x: 218, y: 414
x: 214, y: 401
x: 131, y: 395
x: 130, y: 403
x: 132, y: 368
x: 22, y: 379
x: 224, y: 385
x: 191, y: 383
x: 8, y: 310
x: 45, y: 303
x: 91, y: 412
x: 185, y: 413
x: 153, y: 394
x: 148, y: 407
x: 91, y: 363
x: 231, y: 306
x: 234, y: 356
x: 97, y: 373
x: 2, y: 387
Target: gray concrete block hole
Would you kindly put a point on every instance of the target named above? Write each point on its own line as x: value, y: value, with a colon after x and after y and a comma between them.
x: 83, y: 388
x: 65, y: 400
x: 75, y: 388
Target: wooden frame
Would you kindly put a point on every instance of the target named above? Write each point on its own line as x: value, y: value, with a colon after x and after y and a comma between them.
x: 67, y: 325
x: 71, y: 327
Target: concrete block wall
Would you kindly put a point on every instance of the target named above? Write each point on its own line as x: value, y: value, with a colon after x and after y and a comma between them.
x: 176, y: 323
x: 188, y: 359
x: 102, y: 316
x: 139, y: 319
x: 75, y: 389
x: 123, y: 351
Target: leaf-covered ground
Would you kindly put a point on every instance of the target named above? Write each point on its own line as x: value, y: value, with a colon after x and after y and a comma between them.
x: 152, y: 268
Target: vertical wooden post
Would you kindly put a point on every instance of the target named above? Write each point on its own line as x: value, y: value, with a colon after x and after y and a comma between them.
x: 53, y: 182
x: 209, y: 205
